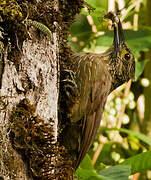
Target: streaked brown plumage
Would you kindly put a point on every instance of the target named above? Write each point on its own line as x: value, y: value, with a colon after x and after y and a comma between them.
x: 86, y: 89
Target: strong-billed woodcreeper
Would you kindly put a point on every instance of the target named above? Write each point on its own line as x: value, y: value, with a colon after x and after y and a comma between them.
x: 86, y: 88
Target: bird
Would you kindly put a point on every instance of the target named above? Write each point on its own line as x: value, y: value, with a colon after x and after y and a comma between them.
x: 85, y: 88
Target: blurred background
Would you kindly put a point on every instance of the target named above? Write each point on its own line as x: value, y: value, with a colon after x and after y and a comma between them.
x: 127, y: 115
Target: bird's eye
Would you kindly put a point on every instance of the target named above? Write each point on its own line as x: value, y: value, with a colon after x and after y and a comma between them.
x: 127, y: 56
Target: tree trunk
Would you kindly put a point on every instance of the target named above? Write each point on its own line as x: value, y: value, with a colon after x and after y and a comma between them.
x: 29, y: 88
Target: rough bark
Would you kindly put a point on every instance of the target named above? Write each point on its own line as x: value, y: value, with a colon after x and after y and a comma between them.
x: 29, y: 82
x: 37, y: 69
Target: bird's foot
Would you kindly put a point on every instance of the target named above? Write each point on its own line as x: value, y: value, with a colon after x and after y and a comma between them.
x: 69, y: 84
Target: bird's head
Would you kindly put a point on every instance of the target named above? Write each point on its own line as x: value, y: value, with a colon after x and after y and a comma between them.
x: 121, y: 61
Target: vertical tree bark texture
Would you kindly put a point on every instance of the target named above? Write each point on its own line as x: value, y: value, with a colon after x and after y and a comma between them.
x: 37, y: 69
x: 29, y: 82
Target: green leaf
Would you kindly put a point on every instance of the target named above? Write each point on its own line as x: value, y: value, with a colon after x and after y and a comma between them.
x: 87, y: 172
x: 119, y: 172
x: 138, y: 40
x: 139, y: 163
x: 105, y: 40
x: 81, y: 28
x: 98, y: 4
x: 139, y: 68
x: 139, y: 136
x: 86, y: 163
x: 83, y: 174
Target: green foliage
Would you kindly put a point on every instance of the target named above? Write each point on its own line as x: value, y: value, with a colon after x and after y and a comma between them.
x: 98, y: 13
x: 86, y: 163
x: 82, y: 31
x: 132, y: 165
x: 98, y: 4
x: 139, y: 163
x: 87, y: 172
x: 81, y: 28
x: 112, y: 173
x: 140, y: 65
x: 119, y: 172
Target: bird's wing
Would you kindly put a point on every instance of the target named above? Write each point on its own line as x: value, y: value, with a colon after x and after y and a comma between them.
x: 99, y: 91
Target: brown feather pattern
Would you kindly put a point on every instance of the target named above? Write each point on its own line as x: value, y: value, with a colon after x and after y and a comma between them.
x: 85, y: 92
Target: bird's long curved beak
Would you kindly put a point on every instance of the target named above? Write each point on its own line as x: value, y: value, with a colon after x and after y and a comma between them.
x: 118, y: 31
x: 118, y: 35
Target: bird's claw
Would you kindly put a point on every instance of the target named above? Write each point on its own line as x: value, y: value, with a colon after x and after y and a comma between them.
x: 69, y: 84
